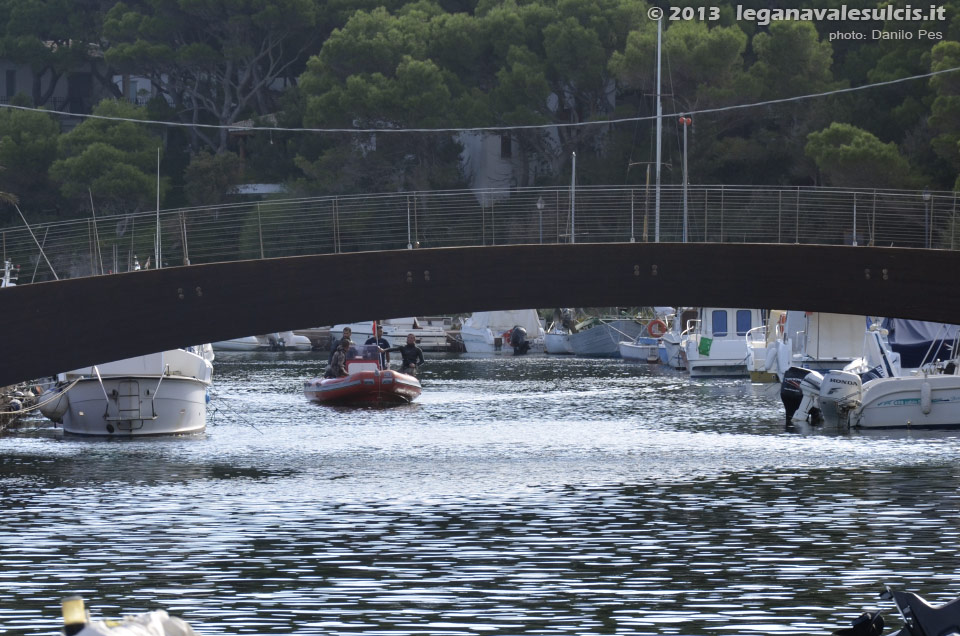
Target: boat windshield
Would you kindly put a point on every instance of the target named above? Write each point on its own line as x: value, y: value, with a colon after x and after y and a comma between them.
x: 368, y: 352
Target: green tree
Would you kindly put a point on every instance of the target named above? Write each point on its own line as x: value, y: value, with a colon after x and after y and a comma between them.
x: 852, y: 157
x: 216, y: 61
x: 114, y: 160
x: 28, y: 146
x: 208, y: 178
x: 945, y: 111
x: 375, y: 72
x: 54, y: 38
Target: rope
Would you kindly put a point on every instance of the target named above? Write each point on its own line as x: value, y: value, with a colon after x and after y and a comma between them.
x: 43, y: 403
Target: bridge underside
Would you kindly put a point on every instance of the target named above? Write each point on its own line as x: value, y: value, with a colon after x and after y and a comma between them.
x: 56, y: 326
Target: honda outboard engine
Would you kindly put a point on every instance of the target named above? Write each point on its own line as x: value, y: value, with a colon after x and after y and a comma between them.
x: 518, y: 340
x: 840, y: 394
x: 800, y: 392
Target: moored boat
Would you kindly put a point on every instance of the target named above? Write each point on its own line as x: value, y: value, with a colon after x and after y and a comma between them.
x: 157, y: 394
x: 600, y: 338
x: 366, y: 384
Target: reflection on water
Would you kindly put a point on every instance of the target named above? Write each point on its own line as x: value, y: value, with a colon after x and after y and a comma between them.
x: 519, y: 495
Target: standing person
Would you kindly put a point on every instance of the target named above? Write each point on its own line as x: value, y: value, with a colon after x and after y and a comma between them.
x: 347, y: 332
x: 412, y: 355
x: 383, y: 344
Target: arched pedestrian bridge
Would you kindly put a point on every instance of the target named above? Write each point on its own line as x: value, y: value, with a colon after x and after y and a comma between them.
x: 52, y: 326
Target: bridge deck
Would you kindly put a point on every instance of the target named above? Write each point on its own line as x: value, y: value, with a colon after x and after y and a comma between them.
x: 55, y: 326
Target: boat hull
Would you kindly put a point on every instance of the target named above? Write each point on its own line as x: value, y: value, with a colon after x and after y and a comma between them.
x: 603, y: 340
x: 642, y: 351
x: 901, y: 402
x: 557, y: 343
x: 136, y: 406
x: 364, y: 388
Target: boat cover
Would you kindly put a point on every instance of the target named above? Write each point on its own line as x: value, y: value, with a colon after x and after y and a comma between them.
x: 498, y: 321
x: 912, y: 339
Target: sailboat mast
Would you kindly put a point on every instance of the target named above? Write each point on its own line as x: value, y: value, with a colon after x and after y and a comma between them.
x: 659, y: 138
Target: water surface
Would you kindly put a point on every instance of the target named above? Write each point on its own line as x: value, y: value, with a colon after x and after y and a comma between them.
x: 518, y: 496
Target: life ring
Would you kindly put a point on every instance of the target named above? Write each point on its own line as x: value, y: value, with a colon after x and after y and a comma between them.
x: 656, y: 328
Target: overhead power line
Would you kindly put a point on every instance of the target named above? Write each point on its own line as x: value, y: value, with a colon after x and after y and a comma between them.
x: 605, y: 122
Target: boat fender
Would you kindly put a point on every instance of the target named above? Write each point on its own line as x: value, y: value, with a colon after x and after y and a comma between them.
x: 926, y: 401
x: 770, y: 360
x: 656, y: 328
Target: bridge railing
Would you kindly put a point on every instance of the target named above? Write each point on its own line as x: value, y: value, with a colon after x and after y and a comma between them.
x: 334, y: 224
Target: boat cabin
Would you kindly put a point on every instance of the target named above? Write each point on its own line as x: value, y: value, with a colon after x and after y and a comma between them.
x: 724, y: 323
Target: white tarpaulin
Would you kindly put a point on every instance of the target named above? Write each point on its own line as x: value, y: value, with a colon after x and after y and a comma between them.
x: 499, y: 321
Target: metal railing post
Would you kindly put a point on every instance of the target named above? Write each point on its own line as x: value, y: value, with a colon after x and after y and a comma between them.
x: 796, y: 236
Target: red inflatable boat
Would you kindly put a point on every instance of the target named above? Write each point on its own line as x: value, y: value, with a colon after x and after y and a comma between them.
x: 365, y: 385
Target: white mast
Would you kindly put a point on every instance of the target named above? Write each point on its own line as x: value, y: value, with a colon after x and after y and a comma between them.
x: 656, y: 232
x: 158, y: 253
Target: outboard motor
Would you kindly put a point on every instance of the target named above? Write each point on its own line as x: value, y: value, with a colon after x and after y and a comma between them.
x: 799, y: 392
x: 840, y: 394
x: 518, y: 340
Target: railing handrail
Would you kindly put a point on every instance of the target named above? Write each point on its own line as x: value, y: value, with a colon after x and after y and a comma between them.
x: 239, y: 230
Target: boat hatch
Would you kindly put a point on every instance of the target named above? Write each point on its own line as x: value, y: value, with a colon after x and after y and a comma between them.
x: 129, y: 406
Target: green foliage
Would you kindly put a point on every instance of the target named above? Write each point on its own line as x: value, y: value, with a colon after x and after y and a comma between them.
x: 208, y: 178
x: 852, y: 157
x: 28, y: 146
x: 216, y: 61
x: 115, y: 160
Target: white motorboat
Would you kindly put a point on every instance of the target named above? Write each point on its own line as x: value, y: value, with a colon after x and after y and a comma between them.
x: 289, y: 341
x: 809, y: 395
x: 157, y: 394
x: 492, y: 331
x: 716, y: 345
x: 817, y: 341
x: 928, y: 397
x: 600, y: 337
x: 642, y: 348
x: 248, y: 343
x: 431, y: 333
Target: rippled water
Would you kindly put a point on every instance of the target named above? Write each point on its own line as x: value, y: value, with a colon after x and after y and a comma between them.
x: 518, y: 496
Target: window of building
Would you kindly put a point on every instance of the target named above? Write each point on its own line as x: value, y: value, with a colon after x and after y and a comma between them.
x: 718, y: 322
x: 506, y: 147
x: 744, y: 321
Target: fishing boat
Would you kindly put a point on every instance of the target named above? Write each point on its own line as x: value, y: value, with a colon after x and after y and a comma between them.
x: 598, y: 337
x: 646, y: 346
x: 366, y: 383
x: 716, y: 345
x: 157, y: 394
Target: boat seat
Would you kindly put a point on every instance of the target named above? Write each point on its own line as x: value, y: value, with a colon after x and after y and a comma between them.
x: 935, y: 621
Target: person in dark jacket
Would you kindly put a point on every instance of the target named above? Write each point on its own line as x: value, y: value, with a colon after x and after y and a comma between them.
x: 412, y: 355
x: 383, y: 344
